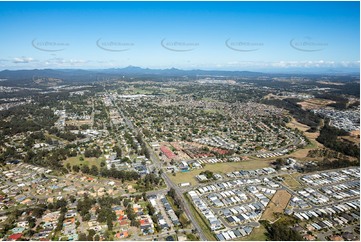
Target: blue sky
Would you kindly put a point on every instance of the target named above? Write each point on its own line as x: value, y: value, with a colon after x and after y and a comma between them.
x: 187, y: 35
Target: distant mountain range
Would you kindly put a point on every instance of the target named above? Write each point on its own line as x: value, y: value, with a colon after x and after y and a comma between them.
x: 29, y: 77
x: 133, y: 70
x: 128, y: 71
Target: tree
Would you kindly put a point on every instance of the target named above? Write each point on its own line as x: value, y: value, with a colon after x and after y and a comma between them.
x: 94, y: 170
x: 329, y: 137
x: 84, y: 206
x: 91, y: 234
x: 61, y: 203
x: 134, y: 223
x: 31, y: 221
x: 86, y: 217
x: 151, y: 209
x: 59, y: 225
x: 84, y: 126
x: 82, y: 237
x: 85, y: 169
x: 76, y: 168
x: 105, y: 213
x: 118, y: 150
x: 281, y: 231
x: 126, y: 202
x: 107, y: 235
x: 38, y: 212
x: 110, y: 223
x: 144, y: 195
x: 171, y: 192
x: 207, y: 173
x: 72, y: 198
x: 96, y: 152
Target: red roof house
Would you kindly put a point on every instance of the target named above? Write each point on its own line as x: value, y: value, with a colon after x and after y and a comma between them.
x: 15, y: 236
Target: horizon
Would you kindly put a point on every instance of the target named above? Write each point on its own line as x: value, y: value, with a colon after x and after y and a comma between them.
x: 229, y: 36
x: 296, y: 71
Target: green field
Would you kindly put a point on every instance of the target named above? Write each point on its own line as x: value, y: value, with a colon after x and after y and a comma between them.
x: 87, y: 161
x: 184, y: 177
x: 221, y: 168
x: 290, y: 180
x: 192, y: 237
x: 211, y: 111
x: 53, y: 137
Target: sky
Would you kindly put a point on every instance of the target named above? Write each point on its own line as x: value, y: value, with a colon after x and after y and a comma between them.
x: 254, y: 36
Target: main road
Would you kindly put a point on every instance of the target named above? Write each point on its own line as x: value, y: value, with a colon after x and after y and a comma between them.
x: 157, y: 163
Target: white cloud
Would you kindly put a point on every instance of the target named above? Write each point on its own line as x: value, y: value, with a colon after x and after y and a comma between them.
x: 61, y: 62
x: 294, y: 64
x: 23, y: 59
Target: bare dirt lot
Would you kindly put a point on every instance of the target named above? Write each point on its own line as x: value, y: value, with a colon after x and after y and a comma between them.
x: 354, y: 137
x: 315, y: 103
x: 302, y: 153
x: 351, y: 139
x: 277, y: 204
x: 79, y: 122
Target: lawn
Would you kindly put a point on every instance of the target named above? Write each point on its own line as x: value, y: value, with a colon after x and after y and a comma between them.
x: 221, y: 168
x: 258, y: 234
x: 182, y: 177
x: 87, y: 161
x: 192, y: 237
x: 183, y: 219
x: 290, y: 180
x: 171, y: 202
x: 211, y: 111
x: 277, y: 204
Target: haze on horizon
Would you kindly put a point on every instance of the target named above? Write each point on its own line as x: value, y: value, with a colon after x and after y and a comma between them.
x: 253, y: 36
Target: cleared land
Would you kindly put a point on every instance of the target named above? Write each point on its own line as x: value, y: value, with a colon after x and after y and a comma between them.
x: 272, y: 96
x: 221, y: 168
x: 79, y: 122
x: 87, y: 161
x: 352, y: 138
x: 277, y: 204
x: 355, y: 133
x: 302, y: 153
x: 315, y: 103
x: 290, y: 180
